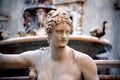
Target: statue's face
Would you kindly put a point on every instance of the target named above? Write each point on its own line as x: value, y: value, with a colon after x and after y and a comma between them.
x: 60, y: 35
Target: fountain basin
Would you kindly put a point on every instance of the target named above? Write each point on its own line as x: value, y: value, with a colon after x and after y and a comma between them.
x: 83, y: 43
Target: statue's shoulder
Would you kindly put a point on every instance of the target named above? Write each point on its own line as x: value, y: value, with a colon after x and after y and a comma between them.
x: 37, y: 51
x: 76, y: 53
x: 80, y: 56
x: 44, y: 50
x: 83, y: 60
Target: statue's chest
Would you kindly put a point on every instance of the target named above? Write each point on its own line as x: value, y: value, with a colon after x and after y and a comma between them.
x: 67, y: 70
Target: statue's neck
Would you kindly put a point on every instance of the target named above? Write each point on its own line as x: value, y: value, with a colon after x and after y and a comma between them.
x: 59, y: 53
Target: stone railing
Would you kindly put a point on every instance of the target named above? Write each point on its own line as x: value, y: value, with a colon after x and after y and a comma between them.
x: 108, y: 64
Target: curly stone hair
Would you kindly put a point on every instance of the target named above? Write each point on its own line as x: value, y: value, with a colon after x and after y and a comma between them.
x: 55, y: 17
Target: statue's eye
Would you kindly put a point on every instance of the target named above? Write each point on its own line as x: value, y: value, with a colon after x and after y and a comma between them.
x: 59, y: 31
x: 67, y: 32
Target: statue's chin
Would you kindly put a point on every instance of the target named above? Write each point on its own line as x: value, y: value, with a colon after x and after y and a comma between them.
x: 62, y: 46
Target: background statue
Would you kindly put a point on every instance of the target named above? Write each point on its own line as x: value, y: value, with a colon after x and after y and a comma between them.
x: 99, y: 32
x: 34, y: 16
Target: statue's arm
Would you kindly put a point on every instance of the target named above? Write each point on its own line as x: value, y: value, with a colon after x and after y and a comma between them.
x: 90, y: 70
x: 13, y: 60
x: 88, y: 67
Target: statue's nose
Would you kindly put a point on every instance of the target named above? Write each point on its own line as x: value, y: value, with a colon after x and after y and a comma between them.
x: 64, y: 35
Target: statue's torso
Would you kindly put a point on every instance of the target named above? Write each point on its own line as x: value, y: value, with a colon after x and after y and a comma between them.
x: 58, y: 70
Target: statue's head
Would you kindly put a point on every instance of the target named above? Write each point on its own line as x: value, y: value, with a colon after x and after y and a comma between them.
x: 56, y: 17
